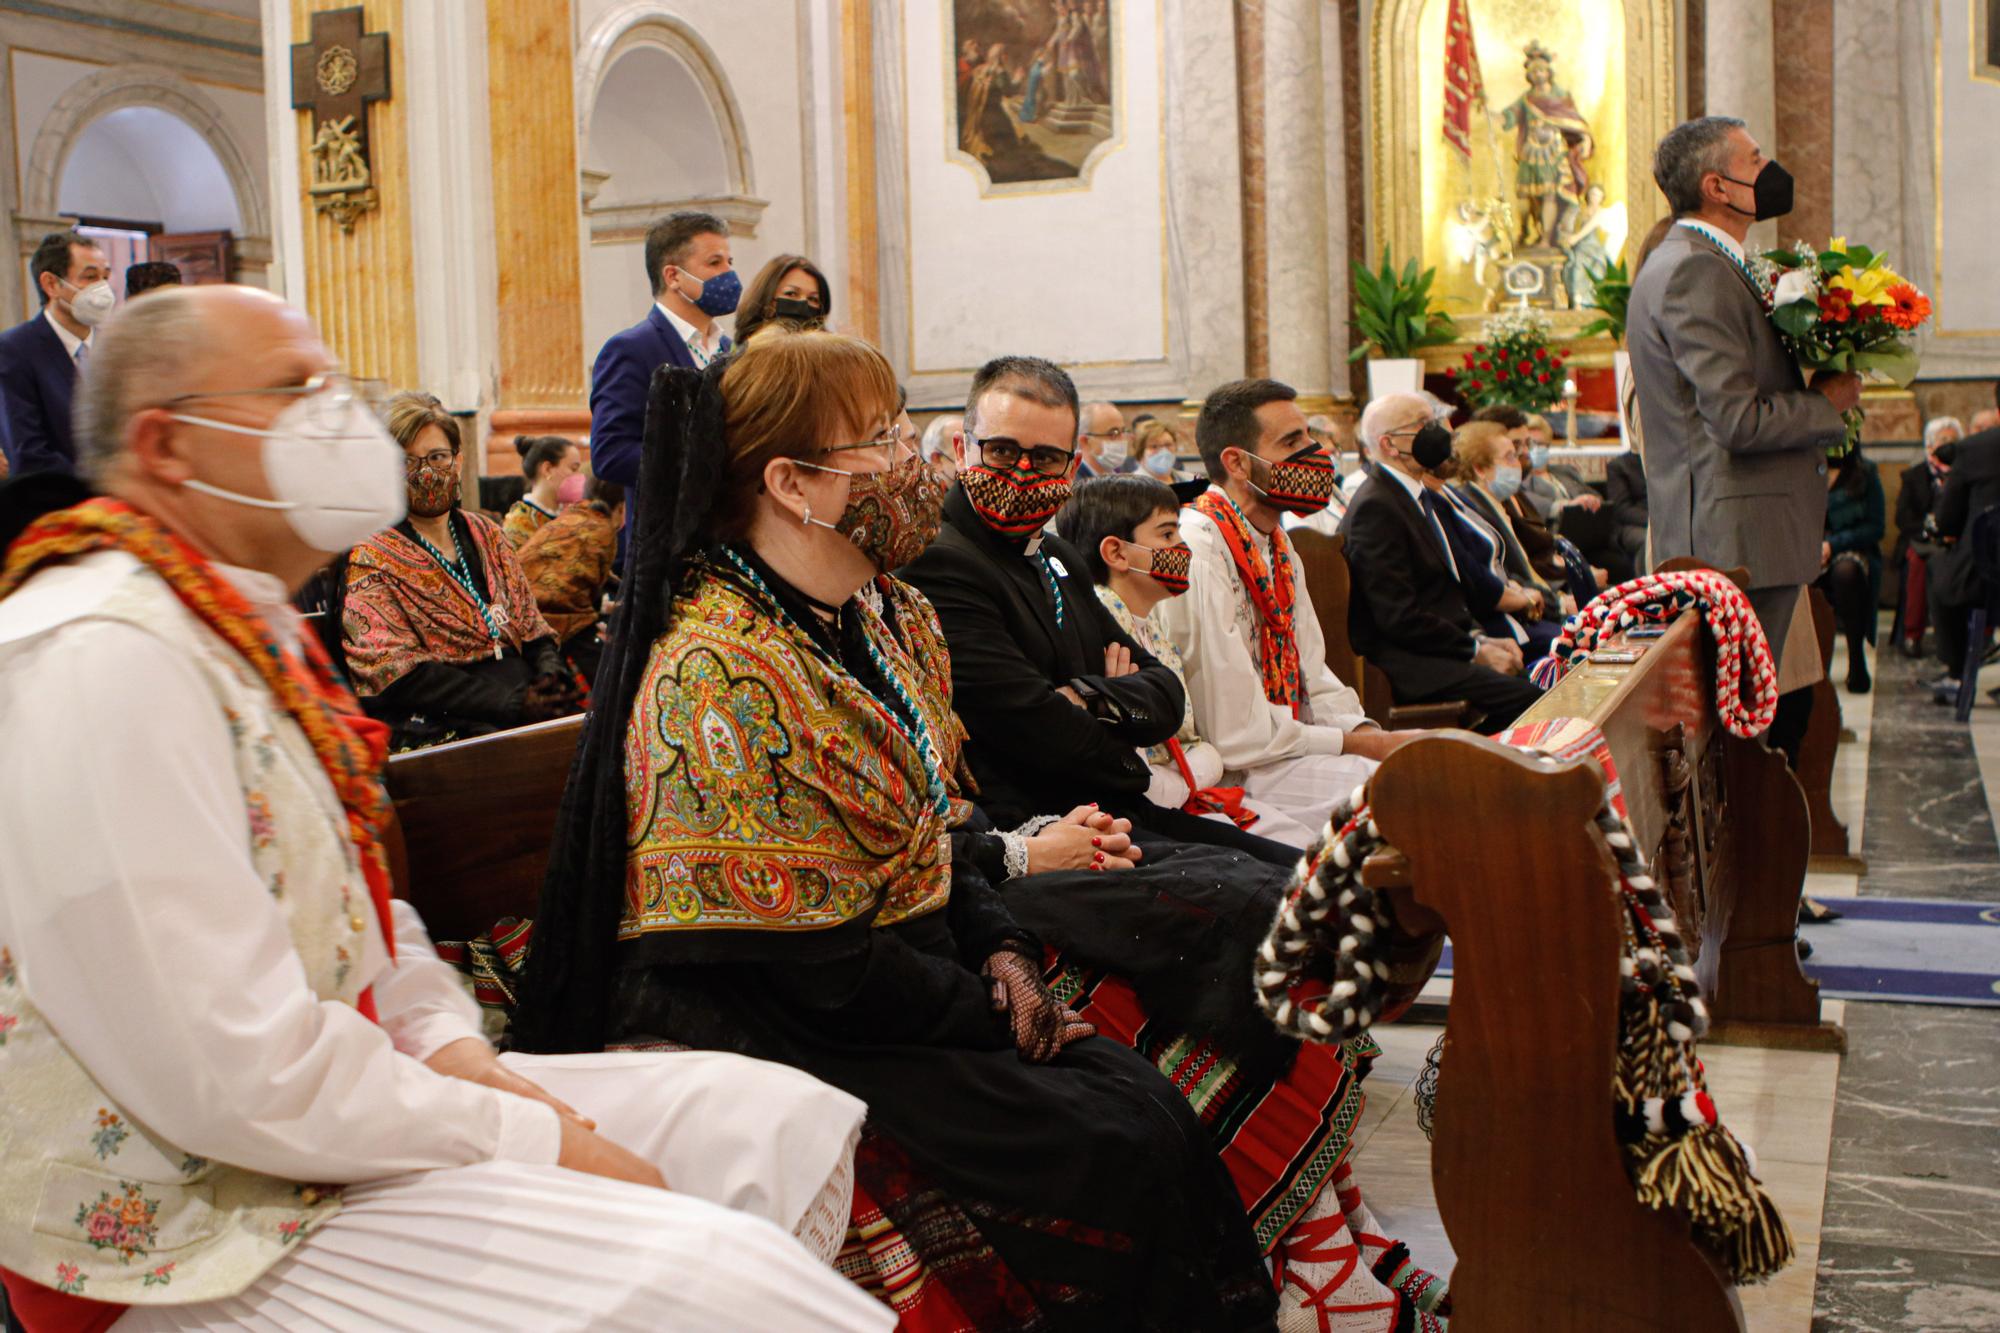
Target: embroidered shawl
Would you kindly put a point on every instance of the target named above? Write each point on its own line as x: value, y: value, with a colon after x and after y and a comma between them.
x: 1273, y: 591
x: 404, y: 608
x: 524, y: 519
x: 567, y: 562
x: 766, y: 787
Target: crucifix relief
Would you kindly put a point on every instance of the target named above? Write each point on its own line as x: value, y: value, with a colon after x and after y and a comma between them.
x: 334, y: 77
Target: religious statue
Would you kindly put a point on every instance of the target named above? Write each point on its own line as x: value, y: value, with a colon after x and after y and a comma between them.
x: 1552, y: 141
x: 1580, y: 237
x: 337, y: 163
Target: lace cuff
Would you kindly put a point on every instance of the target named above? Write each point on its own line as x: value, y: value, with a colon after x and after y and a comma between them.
x: 1014, y: 847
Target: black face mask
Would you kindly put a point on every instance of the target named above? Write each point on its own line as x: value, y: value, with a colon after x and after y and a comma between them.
x: 794, y: 311
x: 1772, y: 192
x: 1432, y: 447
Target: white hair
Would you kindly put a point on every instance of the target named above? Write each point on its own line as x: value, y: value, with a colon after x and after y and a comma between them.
x: 1390, y: 407
x: 1937, y: 426
x: 937, y: 436
x: 145, y: 354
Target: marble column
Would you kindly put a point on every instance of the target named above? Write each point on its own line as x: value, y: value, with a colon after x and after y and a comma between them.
x: 1301, y: 114
x: 534, y: 221
x: 858, y: 57
x: 1205, y: 242
x: 1804, y: 102
x: 358, y: 285
x: 1740, y: 78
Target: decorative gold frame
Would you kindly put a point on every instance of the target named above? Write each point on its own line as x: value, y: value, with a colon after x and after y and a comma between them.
x: 1395, y: 194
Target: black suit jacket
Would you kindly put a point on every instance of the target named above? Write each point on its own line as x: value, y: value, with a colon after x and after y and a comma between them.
x: 1033, y: 751
x: 1625, y: 497
x: 1407, y: 613
x: 1972, y: 486
x: 37, y: 379
x: 1915, y: 499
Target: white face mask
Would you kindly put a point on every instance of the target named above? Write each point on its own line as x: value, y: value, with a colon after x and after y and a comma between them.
x: 336, y: 474
x: 1112, y: 455
x: 92, y: 304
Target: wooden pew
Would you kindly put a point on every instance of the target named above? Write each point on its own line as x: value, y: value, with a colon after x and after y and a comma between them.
x: 476, y: 819
x: 1323, y: 562
x: 1830, y: 841
x: 1529, y: 1177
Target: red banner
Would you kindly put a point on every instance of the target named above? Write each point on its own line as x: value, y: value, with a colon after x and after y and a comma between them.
x: 1463, y: 88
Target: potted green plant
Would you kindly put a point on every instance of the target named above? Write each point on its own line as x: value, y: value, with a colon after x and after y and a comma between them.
x: 1395, y: 320
x: 1610, y: 295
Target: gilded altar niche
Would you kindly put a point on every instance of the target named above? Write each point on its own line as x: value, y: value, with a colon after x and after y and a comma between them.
x: 1512, y: 142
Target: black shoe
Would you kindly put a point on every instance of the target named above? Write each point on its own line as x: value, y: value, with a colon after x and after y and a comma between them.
x: 1812, y: 912
x: 1857, y: 678
x: 1805, y: 949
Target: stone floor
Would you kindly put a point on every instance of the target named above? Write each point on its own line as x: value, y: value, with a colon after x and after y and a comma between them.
x: 1885, y: 1162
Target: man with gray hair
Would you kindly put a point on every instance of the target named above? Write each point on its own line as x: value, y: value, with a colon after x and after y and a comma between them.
x: 938, y: 448
x: 1103, y: 445
x: 1735, y: 440
x: 1406, y: 610
x: 279, y: 1098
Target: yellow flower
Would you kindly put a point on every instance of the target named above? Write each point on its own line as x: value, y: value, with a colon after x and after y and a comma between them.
x: 1838, y: 245
x: 1867, y: 286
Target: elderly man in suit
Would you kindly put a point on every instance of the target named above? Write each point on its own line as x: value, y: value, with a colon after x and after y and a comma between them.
x: 1735, y: 439
x: 1971, y: 487
x: 1408, y: 612
x: 694, y: 284
x: 39, y: 359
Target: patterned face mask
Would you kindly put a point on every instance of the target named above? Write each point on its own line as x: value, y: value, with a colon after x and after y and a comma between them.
x: 1302, y: 484
x: 433, y: 490
x: 1170, y: 566
x: 1016, y: 502
x: 891, y: 515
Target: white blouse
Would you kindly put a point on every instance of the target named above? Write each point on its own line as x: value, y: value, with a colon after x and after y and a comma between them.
x: 1214, y: 624
x: 146, y: 937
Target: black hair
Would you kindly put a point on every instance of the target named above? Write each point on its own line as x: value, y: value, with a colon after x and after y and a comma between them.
x: 667, y: 240
x: 1112, y: 506
x: 1504, y: 415
x: 1228, y: 419
x: 538, y: 451
x: 53, y: 256
x: 1852, y: 473
x: 153, y: 273
x: 1029, y: 377
x: 607, y: 493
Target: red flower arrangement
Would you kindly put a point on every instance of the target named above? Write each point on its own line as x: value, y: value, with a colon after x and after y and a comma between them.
x: 1513, y: 365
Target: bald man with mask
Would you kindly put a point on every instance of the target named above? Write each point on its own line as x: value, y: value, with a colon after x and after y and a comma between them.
x: 288, y: 1090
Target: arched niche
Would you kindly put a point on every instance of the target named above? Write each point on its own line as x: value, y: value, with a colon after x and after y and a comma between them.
x: 118, y: 88
x: 144, y: 163
x: 1627, y: 48
x: 639, y: 68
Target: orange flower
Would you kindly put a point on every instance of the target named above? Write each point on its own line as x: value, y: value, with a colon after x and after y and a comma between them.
x: 1909, y: 307
x: 133, y: 1211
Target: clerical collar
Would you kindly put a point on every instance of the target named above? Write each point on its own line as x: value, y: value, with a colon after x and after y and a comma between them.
x: 1730, y: 245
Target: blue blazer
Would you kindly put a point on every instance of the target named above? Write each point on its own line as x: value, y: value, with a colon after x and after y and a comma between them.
x: 37, y: 379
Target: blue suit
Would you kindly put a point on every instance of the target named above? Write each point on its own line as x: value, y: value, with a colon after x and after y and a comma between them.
x: 618, y: 387
x: 37, y: 379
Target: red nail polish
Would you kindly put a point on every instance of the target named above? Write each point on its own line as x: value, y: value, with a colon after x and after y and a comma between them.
x: 1097, y: 842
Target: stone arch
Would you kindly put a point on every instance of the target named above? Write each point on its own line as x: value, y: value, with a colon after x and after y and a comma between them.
x: 153, y: 86
x: 644, y: 24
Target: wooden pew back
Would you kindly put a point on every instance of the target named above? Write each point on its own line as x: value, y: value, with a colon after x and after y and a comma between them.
x: 477, y: 818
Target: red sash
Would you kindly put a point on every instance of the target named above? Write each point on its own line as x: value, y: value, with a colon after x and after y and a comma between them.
x: 1272, y: 591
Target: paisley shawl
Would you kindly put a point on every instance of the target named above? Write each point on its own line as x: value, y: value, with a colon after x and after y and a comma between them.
x: 767, y: 788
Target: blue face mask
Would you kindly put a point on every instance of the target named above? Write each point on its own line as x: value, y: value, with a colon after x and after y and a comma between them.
x: 719, y: 294
x: 1538, y: 456
x: 1506, y: 481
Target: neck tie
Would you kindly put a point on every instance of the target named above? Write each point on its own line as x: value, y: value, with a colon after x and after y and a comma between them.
x: 82, y: 354
x: 1435, y: 506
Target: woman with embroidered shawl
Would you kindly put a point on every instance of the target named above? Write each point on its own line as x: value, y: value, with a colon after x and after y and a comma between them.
x: 441, y: 634
x: 755, y: 855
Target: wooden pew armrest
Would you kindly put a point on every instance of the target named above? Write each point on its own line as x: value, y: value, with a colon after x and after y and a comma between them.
x: 1415, y: 717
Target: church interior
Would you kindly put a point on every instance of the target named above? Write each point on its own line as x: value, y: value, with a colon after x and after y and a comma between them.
x: 1627, y: 947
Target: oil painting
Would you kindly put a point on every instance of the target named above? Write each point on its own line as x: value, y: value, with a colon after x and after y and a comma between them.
x: 1036, y: 86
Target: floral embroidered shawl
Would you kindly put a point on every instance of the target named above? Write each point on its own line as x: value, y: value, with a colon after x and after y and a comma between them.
x: 567, y: 562
x: 766, y: 788
x: 404, y: 609
x: 524, y: 519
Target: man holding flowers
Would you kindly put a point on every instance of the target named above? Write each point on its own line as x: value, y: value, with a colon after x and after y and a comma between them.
x: 1736, y: 441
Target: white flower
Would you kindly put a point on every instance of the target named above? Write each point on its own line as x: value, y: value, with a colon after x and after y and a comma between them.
x: 1794, y: 284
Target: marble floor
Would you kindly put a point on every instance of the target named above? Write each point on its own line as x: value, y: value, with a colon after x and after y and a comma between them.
x: 1885, y: 1161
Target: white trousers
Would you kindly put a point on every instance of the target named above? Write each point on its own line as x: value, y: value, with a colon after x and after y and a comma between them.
x: 1296, y: 795
x: 754, y: 1154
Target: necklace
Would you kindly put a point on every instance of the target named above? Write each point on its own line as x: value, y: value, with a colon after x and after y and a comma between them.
x: 461, y: 574
x: 915, y: 730
x: 1055, y: 586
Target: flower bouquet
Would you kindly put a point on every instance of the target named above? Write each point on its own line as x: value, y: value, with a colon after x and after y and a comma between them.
x: 1844, y: 309
x: 1512, y: 364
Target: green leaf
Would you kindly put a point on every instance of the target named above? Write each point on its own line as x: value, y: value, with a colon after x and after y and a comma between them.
x: 1796, y: 319
x: 1831, y: 263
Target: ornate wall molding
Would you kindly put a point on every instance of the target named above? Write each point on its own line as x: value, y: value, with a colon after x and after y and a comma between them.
x: 644, y: 23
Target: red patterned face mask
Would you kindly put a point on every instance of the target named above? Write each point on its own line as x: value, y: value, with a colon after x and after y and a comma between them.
x: 1170, y: 566
x: 1014, y: 502
x: 433, y: 491
x: 1302, y: 484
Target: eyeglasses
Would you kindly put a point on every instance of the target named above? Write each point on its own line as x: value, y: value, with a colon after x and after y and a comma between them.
x: 892, y: 439
x: 1115, y: 433
x: 435, y: 459
x: 327, y: 397
x: 1004, y: 453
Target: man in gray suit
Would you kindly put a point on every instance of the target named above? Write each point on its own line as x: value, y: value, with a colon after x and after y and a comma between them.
x: 1735, y: 439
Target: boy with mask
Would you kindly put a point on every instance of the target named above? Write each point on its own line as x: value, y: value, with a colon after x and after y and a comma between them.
x: 41, y: 358
x: 1408, y: 613
x: 1247, y: 630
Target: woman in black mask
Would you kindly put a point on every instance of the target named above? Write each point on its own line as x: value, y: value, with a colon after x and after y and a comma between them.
x: 790, y: 290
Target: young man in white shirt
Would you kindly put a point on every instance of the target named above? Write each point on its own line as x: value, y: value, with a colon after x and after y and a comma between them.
x: 1247, y: 631
x: 256, y: 1094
